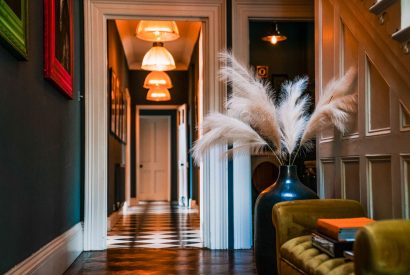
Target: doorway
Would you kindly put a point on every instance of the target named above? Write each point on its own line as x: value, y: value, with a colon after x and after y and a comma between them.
x: 212, y: 95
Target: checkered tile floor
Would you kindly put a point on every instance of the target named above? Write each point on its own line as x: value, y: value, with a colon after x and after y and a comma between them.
x: 156, y: 225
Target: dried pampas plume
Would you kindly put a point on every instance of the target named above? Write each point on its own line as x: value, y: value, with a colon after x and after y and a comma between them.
x: 219, y: 129
x: 253, y: 122
x: 251, y: 99
x: 333, y: 107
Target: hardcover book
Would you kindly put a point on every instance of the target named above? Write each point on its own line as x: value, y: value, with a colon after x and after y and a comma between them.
x: 330, y: 246
x: 341, y: 229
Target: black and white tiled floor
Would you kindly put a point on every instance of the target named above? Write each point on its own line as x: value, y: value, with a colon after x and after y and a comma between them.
x: 156, y: 225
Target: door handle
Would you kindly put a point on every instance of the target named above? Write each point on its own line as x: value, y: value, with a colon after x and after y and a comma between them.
x: 182, y: 164
x: 141, y: 166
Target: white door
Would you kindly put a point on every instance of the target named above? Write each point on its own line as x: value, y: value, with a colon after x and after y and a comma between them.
x: 182, y: 156
x: 154, y: 158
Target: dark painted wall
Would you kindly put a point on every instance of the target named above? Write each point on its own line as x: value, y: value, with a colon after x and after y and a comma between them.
x: 118, y: 63
x: 40, y: 148
x: 179, y: 96
x: 294, y: 56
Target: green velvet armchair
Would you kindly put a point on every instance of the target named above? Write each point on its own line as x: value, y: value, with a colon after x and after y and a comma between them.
x: 380, y: 248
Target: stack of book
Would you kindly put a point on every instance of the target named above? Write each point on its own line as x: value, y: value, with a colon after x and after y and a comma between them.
x: 335, y: 236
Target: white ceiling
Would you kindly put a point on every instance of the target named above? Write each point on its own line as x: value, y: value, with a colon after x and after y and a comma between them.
x: 181, y: 49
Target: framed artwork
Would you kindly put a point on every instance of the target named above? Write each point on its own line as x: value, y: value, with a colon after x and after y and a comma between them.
x: 58, y: 44
x: 113, y: 86
x: 13, y: 26
x: 117, y: 107
x: 124, y: 118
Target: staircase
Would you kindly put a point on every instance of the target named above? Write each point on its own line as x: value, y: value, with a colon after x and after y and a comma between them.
x: 382, y: 8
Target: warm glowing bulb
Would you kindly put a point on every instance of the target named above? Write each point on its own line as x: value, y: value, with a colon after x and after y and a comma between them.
x: 273, y: 40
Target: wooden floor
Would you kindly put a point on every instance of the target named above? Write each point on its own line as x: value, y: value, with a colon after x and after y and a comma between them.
x: 161, y: 239
x: 164, y: 261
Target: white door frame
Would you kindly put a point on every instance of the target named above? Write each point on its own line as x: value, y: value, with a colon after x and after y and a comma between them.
x: 138, y: 108
x: 242, y: 12
x: 213, y: 169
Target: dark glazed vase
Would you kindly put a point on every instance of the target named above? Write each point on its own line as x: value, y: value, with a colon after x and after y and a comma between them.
x: 286, y: 188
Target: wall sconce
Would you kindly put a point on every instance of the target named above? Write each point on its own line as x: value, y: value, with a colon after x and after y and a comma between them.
x: 275, y: 37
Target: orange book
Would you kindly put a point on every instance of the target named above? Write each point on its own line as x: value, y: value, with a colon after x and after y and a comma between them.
x: 341, y: 229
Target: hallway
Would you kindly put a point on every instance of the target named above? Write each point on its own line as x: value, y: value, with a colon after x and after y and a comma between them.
x: 159, y: 238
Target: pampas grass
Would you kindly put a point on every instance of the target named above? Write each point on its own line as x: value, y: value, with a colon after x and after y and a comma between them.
x: 333, y: 107
x: 254, y: 122
x: 219, y: 129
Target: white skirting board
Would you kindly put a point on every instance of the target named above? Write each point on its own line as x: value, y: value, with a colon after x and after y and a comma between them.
x: 113, y: 218
x: 56, y: 256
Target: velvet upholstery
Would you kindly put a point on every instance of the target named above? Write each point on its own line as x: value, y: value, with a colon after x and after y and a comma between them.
x: 297, y: 218
x: 383, y: 248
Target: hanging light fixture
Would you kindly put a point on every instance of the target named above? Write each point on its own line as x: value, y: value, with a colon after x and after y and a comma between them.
x: 158, y: 93
x: 157, y: 78
x: 158, y: 59
x: 275, y: 37
x: 157, y: 31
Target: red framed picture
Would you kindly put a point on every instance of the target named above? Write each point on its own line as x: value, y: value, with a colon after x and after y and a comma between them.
x: 58, y: 44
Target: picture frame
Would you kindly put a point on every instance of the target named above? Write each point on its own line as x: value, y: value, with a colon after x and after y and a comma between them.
x: 125, y: 117
x: 13, y: 26
x: 112, y: 94
x: 59, y: 44
x: 120, y: 114
x: 117, y: 107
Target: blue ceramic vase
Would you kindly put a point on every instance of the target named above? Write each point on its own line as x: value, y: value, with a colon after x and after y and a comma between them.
x: 287, y: 187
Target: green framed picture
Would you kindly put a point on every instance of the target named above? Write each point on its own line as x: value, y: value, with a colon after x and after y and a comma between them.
x: 13, y: 26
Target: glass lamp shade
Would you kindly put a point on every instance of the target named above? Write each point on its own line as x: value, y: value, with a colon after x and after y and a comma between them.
x: 157, y: 31
x: 275, y: 37
x: 157, y: 78
x: 158, y: 94
x: 158, y: 59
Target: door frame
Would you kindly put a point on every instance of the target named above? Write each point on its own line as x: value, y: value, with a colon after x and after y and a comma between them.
x: 139, y: 108
x: 242, y: 12
x: 214, y: 178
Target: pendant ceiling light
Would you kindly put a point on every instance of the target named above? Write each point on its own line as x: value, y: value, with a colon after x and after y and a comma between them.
x: 157, y: 31
x: 157, y: 78
x: 275, y: 37
x: 158, y: 94
x: 158, y: 59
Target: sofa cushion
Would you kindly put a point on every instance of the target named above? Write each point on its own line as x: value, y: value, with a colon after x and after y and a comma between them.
x: 300, y: 252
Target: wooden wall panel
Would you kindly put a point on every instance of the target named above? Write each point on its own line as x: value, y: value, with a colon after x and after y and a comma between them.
x: 378, y: 101
x: 380, y: 187
x: 350, y: 58
x: 351, y: 178
x: 375, y: 154
x: 328, y: 50
x: 404, y: 118
x: 327, y: 177
x: 405, y: 171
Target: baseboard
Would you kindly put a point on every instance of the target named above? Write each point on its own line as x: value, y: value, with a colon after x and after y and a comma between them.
x: 113, y: 218
x: 56, y: 256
